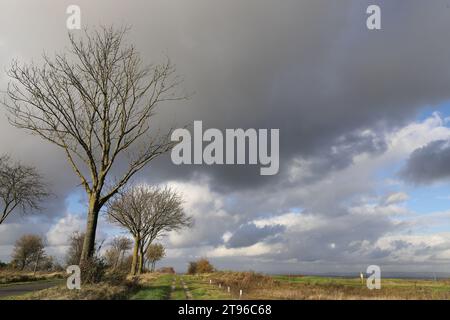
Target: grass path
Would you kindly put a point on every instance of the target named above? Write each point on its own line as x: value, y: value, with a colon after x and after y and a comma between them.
x: 186, y: 291
x: 179, y: 287
x: 178, y: 292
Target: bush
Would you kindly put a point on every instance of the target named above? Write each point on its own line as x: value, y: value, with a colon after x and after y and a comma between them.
x: 166, y: 270
x: 200, y: 266
x: 204, y: 266
x: 93, y: 270
x: 192, y: 269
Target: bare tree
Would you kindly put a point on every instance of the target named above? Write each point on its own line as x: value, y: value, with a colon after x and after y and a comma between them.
x: 21, y: 188
x: 119, y: 247
x: 95, y: 103
x: 73, y: 254
x: 154, y: 253
x: 29, y: 249
x: 76, y: 241
x: 147, y: 213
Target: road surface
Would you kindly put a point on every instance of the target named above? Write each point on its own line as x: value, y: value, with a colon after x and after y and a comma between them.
x: 19, y: 289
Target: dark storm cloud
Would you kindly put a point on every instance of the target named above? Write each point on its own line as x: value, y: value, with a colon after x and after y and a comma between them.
x: 249, y: 234
x: 428, y: 164
x: 310, y: 68
x: 340, y: 154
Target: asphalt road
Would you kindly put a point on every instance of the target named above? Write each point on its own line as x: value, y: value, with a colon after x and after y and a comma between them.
x: 19, y: 289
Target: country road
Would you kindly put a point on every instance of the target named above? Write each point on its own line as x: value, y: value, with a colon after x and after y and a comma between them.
x: 19, y: 289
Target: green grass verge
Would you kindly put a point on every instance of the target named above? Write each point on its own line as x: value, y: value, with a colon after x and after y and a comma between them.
x: 157, y: 290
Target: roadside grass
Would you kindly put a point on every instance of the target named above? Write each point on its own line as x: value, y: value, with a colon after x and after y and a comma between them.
x: 154, y: 287
x: 201, y: 289
x: 26, y: 296
x: 104, y: 291
x: 109, y: 289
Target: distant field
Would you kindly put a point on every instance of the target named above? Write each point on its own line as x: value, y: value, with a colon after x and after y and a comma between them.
x: 8, y: 277
x: 214, y: 286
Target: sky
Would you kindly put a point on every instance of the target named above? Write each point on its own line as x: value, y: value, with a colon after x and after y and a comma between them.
x: 364, y: 119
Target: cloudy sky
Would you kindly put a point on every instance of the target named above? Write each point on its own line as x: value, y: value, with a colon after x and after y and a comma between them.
x: 364, y: 119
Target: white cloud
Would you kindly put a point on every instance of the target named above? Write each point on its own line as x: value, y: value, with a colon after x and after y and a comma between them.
x: 211, y: 220
x: 257, y: 249
x: 396, y: 198
x: 59, y: 233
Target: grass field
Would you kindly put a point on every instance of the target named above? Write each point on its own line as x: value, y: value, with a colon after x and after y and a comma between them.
x: 256, y: 286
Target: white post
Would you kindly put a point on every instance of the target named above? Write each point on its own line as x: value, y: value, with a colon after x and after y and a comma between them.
x: 240, y: 294
x: 228, y: 289
x: 210, y: 281
x: 220, y: 285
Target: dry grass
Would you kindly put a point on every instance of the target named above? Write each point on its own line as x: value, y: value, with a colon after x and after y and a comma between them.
x: 243, y: 280
x: 147, y: 278
x: 87, y: 292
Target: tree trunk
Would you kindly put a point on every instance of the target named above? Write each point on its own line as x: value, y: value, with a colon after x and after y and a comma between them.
x: 141, y: 260
x: 91, y: 227
x: 135, y: 261
x: 36, y: 264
